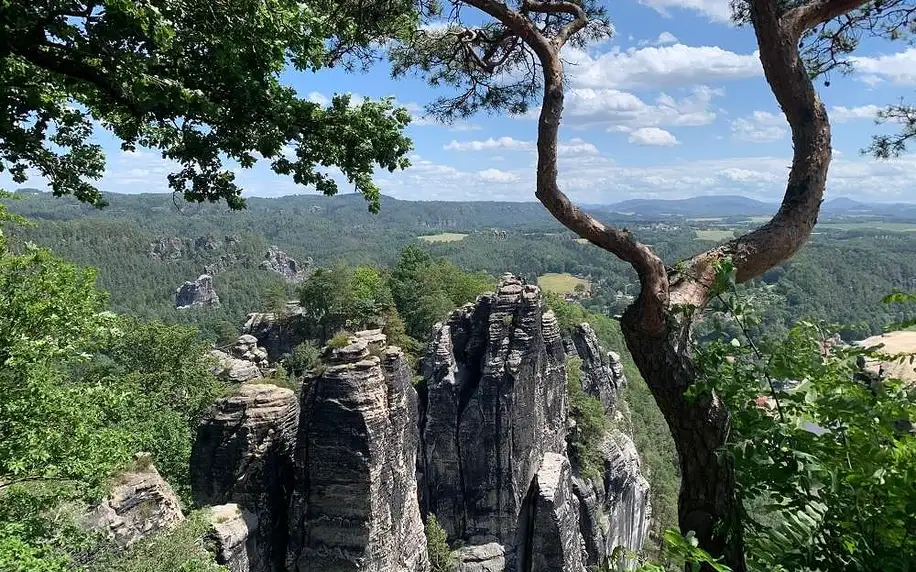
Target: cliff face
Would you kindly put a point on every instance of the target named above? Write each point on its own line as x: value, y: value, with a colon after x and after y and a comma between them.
x: 495, y: 404
x: 338, y: 479
x: 244, y: 455
x: 355, y: 506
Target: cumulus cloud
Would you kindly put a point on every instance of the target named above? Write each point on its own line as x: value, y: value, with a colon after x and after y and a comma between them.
x: 506, y: 143
x: 840, y: 114
x: 759, y: 127
x: 652, y: 136
x: 898, y: 68
x: 624, y: 111
x: 497, y: 176
x: 665, y: 38
x: 715, y: 10
x: 656, y: 67
x: 577, y: 146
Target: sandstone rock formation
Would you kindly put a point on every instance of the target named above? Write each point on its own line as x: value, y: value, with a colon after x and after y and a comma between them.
x: 243, y: 454
x: 139, y: 504
x: 495, y: 405
x: 554, y: 542
x: 355, y: 506
x: 602, y: 371
x: 278, y: 261
x: 197, y: 293
x: 278, y: 334
x: 230, y: 531
x: 166, y: 248
x: 221, y: 264
x: 483, y: 447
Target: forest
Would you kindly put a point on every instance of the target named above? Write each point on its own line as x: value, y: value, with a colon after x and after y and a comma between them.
x: 771, y: 439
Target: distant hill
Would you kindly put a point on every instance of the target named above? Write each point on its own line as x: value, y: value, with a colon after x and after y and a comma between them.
x: 717, y: 206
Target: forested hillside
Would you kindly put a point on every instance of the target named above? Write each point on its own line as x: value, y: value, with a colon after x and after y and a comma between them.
x: 840, y: 276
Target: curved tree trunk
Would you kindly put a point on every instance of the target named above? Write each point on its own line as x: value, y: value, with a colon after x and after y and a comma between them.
x: 657, y: 337
x: 707, y: 503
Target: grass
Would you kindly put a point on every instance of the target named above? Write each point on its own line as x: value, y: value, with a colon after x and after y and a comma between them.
x: 562, y: 283
x: 443, y: 237
x: 759, y: 218
x: 714, y: 235
x: 874, y: 225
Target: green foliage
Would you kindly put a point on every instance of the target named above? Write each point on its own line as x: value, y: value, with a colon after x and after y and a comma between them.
x: 826, y: 478
x: 179, y: 550
x: 440, y: 555
x: 425, y: 289
x: 340, y: 340
x: 303, y: 358
x: 592, y: 424
x: 681, y: 553
x: 344, y: 296
x: 200, y: 86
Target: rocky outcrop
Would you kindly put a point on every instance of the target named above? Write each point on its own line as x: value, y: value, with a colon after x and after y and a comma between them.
x: 230, y: 531
x: 278, y: 261
x: 243, y: 361
x: 221, y: 264
x: 495, y: 404
x: 243, y: 454
x: 197, y: 293
x: 166, y: 248
x: 554, y: 542
x: 278, y: 335
x: 484, y: 558
x: 355, y: 506
x: 602, y: 371
x: 140, y: 503
x: 624, y: 496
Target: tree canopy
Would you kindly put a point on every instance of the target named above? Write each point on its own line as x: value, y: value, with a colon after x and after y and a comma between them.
x: 199, y: 82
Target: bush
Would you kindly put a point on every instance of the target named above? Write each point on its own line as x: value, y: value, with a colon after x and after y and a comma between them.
x: 440, y: 555
x: 592, y: 423
x: 340, y: 340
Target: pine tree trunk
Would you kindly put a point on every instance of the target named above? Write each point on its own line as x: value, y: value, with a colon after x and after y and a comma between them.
x: 707, y: 503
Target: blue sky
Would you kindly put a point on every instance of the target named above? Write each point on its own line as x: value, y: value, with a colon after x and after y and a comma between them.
x: 673, y: 106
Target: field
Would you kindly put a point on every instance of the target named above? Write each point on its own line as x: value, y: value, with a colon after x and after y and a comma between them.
x: 759, y: 219
x: 876, y: 225
x: 899, y: 342
x: 714, y: 235
x: 561, y: 283
x: 444, y: 237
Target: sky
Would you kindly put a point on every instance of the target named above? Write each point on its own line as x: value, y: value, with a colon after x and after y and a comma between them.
x: 674, y: 106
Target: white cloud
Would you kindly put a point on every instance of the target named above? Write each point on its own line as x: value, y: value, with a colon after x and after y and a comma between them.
x: 898, y: 68
x: 759, y: 127
x: 840, y: 114
x: 319, y: 98
x: 675, y: 65
x: 652, y: 136
x: 497, y: 176
x: 577, y: 146
x: 716, y: 10
x: 623, y: 111
x: 507, y: 143
x: 665, y: 38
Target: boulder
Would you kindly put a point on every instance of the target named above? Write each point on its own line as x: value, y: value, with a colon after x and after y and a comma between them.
x: 481, y: 558
x: 278, y: 335
x: 243, y: 454
x: 197, y: 293
x: 355, y: 506
x: 140, y: 503
x: 234, y: 370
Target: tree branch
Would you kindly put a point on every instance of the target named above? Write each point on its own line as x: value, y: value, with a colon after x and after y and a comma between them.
x: 579, y: 21
x: 79, y: 71
x: 807, y: 16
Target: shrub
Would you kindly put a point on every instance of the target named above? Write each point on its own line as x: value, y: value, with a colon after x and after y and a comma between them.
x: 591, y: 422
x: 440, y: 555
x: 340, y: 340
